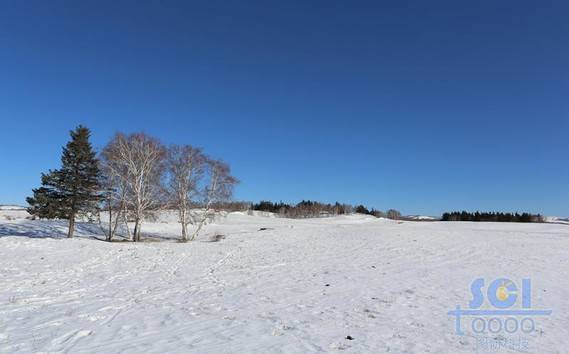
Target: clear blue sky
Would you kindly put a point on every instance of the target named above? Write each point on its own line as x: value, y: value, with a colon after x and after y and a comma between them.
x: 423, y: 106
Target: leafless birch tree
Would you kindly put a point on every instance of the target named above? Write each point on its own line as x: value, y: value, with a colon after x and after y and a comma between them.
x: 135, y: 162
x: 218, y: 188
x: 115, y: 192
x: 185, y: 170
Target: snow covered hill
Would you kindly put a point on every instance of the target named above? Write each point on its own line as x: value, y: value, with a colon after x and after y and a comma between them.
x: 346, y: 284
x: 12, y: 212
x: 11, y: 207
x: 556, y: 219
x: 420, y: 218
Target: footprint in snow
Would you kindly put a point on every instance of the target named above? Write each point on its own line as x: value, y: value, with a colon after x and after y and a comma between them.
x: 70, y: 337
x: 339, y: 346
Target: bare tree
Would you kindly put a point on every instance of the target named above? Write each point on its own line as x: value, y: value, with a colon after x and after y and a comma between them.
x: 135, y: 164
x: 185, y: 169
x: 218, y: 188
x: 393, y: 214
x: 115, y: 191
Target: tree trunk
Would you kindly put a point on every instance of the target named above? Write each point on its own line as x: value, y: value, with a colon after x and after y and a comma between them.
x: 184, y: 232
x: 110, y: 235
x: 125, y: 215
x: 184, y: 226
x: 117, y: 219
x: 136, y: 231
x: 200, y: 225
x: 71, y: 225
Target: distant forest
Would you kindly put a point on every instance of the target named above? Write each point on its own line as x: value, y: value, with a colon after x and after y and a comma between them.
x: 492, y: 216
x: 309, y: 209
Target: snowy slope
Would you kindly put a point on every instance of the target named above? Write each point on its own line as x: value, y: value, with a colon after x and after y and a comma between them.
x: 420, y: 218
x: 11, y: 207
x: 297, y: 286
x: 557, y: 220
x: 13, y: 212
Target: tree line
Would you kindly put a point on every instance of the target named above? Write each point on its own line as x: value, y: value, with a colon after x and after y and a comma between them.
x: 491, y: 216
x: 311, y: 209
x: 133, y: 176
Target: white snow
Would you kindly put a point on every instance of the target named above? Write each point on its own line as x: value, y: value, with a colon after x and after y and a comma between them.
x: 556, y: 219
x: 420, y: 217
x: 13, y: 212
x: 11, y: 207
x: 297, y: 286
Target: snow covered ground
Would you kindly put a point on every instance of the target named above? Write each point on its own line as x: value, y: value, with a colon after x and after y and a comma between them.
x: 343, y: 284
x: 13, y: 212
x: 558, y: 220
x: 420, y: 218
x: 10, y: 207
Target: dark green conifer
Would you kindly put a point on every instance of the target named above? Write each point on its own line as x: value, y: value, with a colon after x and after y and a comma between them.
x: 73, y: 189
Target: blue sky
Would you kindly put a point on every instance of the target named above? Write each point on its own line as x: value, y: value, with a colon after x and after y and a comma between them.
x: 423, y: 106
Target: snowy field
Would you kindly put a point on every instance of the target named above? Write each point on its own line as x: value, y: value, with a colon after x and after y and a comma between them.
x: 346, y: 284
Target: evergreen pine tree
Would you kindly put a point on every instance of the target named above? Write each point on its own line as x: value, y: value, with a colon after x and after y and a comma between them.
x: 72, y: 190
